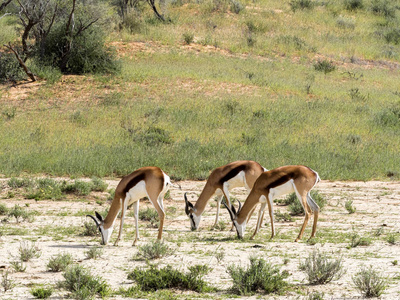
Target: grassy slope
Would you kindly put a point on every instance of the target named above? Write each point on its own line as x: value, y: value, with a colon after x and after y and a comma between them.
x: 189, y: 109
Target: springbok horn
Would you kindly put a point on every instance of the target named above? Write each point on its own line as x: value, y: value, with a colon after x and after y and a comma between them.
x: 94, y: 219
x: 188, y: 205
x: 229, y: 210
x: 240, y: 206
x: 98, y: 216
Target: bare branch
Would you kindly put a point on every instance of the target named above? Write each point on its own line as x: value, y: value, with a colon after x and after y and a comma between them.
x: 4, y: 4
x: 21, y: 62
x: 6, y: 14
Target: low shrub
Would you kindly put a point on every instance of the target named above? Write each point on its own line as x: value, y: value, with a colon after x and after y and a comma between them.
x: 259, y: 276
x: 150, y: 215
x: 82, y: 284
x: 18, y: 266
x: 19, y: 213
x: 98, y: 185
x: 10, y: 69
x: 369, y: 282
x: 320, y: 269
x: 59, y: 262
x: 391, y: 238
x: 45, y: 188
x: 3, y: 209
x: 6, y: 282
x: 353, y: 5
x: 28, y: 250
x: 301, y: 4
x: 20, y: 182
x: 90, y: 229
x: 188, y: 38
x: 154, y: 278
x: 154, y: 250
x: 324, y: 66
x: 94, y: 253
x: 79, y: 187
x: 42, y: 292
x: 349, y: 207
x: 357, y: 240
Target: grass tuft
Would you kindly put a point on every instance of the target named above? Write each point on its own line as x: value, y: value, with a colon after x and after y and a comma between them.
x: 59, y: 262
x: 154, y: 250
x: 369, y: 282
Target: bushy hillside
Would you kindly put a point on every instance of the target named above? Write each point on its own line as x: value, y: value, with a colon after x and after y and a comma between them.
x: 279, y: 82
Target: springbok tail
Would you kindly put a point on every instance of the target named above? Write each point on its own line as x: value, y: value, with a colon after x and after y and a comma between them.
x: 314, y: 206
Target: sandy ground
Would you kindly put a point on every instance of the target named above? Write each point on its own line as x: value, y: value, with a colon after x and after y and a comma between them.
x: 377, y: 204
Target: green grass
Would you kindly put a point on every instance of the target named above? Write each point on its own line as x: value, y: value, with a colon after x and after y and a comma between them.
x: 191, y: 112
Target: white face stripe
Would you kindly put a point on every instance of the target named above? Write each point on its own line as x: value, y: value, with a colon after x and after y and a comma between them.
x: 106, y: 234
x: 240, y: 228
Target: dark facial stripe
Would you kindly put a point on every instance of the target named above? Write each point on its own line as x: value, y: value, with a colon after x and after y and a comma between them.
x: 134, y: 181
x: 232, y: 173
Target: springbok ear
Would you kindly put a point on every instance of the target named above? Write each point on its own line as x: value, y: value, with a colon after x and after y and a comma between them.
x: 98, y: 216
x: 189, y: 208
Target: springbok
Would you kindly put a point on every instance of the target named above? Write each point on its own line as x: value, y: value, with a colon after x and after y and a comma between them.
x: 220, y: 182
x: 272, y: 184
x: 149, y: 182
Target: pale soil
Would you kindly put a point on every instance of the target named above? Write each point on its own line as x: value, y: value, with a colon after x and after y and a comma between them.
x: 377, y: 203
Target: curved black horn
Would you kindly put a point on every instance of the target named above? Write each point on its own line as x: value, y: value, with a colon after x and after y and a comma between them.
x: 98, y: 216
x: 94, y: 219
x: 229, y: 210
x: 240, y: 206
x: 186, y: 204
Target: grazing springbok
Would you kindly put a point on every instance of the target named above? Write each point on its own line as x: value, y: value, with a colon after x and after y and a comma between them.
x: 149, y: 182
x: 220, y: 182
x: 272, y: 184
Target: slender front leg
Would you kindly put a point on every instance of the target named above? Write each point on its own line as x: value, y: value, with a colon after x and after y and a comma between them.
x: 219, y: 200
x: 136, y: 214
x: 124, y: 206
x: 260, y: 214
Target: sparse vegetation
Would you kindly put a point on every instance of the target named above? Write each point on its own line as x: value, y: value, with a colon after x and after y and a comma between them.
x: 320, y: 269
x: 28, y: 251
x: 94, y: 253
x: 154, y: 250
x: 370, y: 282
x: 59, y: 262
x: 82, y: 284
x: 258, y: 276
x: 154, y: 278
x: 18, y: 265
x: 357, y: 240
x: 90, y: 229
x: 150, y: 215
x: 42, y: 292
x: 6, y: 282
x: 349, y: 206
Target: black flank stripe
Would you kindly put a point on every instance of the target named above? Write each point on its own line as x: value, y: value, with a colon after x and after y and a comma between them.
x: 134, y: 182
x: 232, y: 173
x: 280, y: 181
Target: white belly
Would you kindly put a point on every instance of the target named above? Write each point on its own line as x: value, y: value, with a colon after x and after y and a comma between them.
x: 238, y: 181
x: 137, y: 192
x: 281, y: 190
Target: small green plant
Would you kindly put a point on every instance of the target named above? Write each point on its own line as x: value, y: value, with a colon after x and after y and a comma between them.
x: 82, y: 284
x: 221, y: 226
x: 260, y: 275
x: 395, y: 262
x: 3, y: 209
x: 42, y: 292
x: 286, y: 261
x: 219, y: 255
x: 349, y: 206
x: 283, y: 217
x: 149, y: 215
x: 312, y: 241
x: 28, y: 251
x: 320, y: 269
x: 79, y: 187
x: 6, y: 282
x: 94, y: 253
x: 391, y: 238
x: 316, y: 296
x: 19, y: 213
x: 10, y: 69
x: 379, y: 231
x: 357, y: 240
x: 236, y: 7
x: 59, y: 262
x: 324, y: 66
x: 45, y: 188
x: 90, y: 229
x: 20, y: 182
x: 353, y: 5
x: 369, y: 282
x: 18, y: 266
x: 98, y: 185
x: 301, y: 4
x: 154, y: 278
x: 188, y: 38
x: 154, y: 250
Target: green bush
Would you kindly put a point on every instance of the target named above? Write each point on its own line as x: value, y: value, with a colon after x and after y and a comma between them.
x: 94, y: 253
x: 27, y: 251
x: 154, y: 250
x: 90, y: 229
x: 79, y: 187
x: 42, y: 292
x: 320, y: 269
x: 82, y: 284
x: 59, y: 262
x: 18, y: 265
x: 188, y: 38
x: 19, y: 213
x: 384, y: 8
x: 301, y: 4
x: 98, y: 185
x: 357, y: 240
x: 369, y: 282
x: 10, y: 69
x: 3, y: 209
x: 154, y: 279
x: 324, y: 66
x: 349, y: 207
x: 6, y: 282
x: 393, y: 36
x: 259, y: 276
x: 45, y: 188
x: 20, y: 182
x: 353, y: 5
x: 149, y: 214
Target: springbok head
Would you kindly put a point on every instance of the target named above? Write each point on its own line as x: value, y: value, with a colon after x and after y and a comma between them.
x: 190, y: 211
x: 105, y: 233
